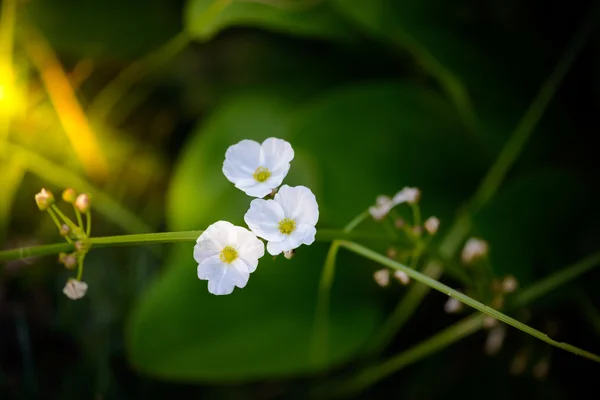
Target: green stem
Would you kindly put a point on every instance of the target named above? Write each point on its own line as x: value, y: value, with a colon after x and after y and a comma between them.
x: 57, y: 223
x: 65, y: 219
x: 323, y: 235
x: 417, y: 276
x: 460, y: 330
x: 88, y: 220
x: 79, y: 218
x: 79, y: 267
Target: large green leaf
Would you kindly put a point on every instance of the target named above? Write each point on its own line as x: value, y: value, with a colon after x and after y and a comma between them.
x: 350, y: 146
x: 205, y: 18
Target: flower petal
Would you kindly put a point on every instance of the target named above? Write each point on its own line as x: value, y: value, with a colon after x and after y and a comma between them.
x: 276, y: 155
x: 258, y: 189
x: 249, y: 247
x: 241, y: 160
x: 213, y: 240
x: 299, y: 204
x: 231, y: 275
x: 263, y: 219
x: 303, y: 234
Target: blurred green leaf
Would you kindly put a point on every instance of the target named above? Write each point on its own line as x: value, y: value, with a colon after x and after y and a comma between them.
x: 350, y: 145
x: 309, y: 18
x: 87, y: 28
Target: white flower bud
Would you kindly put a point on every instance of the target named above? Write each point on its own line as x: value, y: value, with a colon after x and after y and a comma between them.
x: 489, y: 322
x: 473, y: 250
x: 75, y: 289
x: 83, y: 203
x: 495, y: 339
x: 452, y: 305
x: 509, y: 284
x: 44, y: 199
x: 289, y: 254
x: 431, y: 225
x: 407, y: 195
x: 402, y: 277
x: 382, y: 277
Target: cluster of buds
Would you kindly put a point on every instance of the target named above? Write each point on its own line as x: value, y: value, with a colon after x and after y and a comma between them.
x: 74, y: 233
x: 384, y: 204
x: 382, y: 277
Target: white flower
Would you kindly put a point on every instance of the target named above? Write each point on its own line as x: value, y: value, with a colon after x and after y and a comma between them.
x: 287, y: 221
x: 226, y: 255
x: 473, y: 250
x: 258, y: 168
x: 407, y: 195
x: 75, y: 289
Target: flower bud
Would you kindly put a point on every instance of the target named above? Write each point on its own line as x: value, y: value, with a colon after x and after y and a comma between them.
x: 44, y: 199
x: 407, y: 195
x: 474, y: 249
x: 75, y: 289
x: 83, y: 203
x: 382, y: 277
x: 402, y: 277
x: 65, y: 230
x: 289, y: 254
x: 82, y: 246
x: 494, y: 340
x: 68, y: 260
x: 452, y: 305
x: 69, y: 195
x: 431, y: 225
x: 509, y: 284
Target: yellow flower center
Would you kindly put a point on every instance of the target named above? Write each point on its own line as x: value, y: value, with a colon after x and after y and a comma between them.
x: 228, y: 255
x: 287, y: 226
x: 261, y: 174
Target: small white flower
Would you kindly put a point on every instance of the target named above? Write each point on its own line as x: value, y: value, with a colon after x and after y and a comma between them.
x: 75, y: 289
x: 382, y: 277
x: 256, y: 168
x: 509, y: 284
x: 402, y: 277
x: 226, y: 255
x: 494, y: 340
x: 431, y: 225
x: 473, y: 250
x: 287, y: 221
x: 407, y: 195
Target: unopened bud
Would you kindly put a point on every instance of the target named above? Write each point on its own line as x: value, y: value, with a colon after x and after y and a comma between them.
x: 391, y: 252
x: 65, y: 230
x: 431, y: 225
x: 289, y: 254
x: 69, y: 195
x: 407, y: 195
x: 83, y: 203
x: 68, y: 260
x: 44, y: 199
x: 489, y: 322
x: 382, y: 277
x: 519, y: 363
x: 494, y: 340
x: 82, y: 246
x: 402, y: 277
x: 75, y: 289
x: 509, y: 284
x: 473, y: 250
x: 452, y: 305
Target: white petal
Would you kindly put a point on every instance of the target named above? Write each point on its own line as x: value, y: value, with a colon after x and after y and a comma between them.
x: 213, y: 240
x: 234, y: 274
x: 263, y: 219
x: 276, y: 155
x: 299, y: 204
x: 303, y: 234
x: 241, y: 160
x: 211, y: 268
x: 249, y: 247
x: 258, y: 189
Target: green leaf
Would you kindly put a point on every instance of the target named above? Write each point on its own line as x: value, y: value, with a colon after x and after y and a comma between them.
x: 308, y: 18
x: 110, y: 28
x: 350, y: 145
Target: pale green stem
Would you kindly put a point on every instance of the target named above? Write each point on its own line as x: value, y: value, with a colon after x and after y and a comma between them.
x: 368, y: 253
x: 88, y: 220
x: 402, y: 312
x: 79, y: 218
x: 79, y: 267
x: 461, y: 329
x: 57, y: 223
x: 323, y: 235
x: 66, y: 219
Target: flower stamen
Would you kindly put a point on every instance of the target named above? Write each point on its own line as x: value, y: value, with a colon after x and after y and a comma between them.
x: 287, y: 226
x: 261, y: 174
x: 228, y: 255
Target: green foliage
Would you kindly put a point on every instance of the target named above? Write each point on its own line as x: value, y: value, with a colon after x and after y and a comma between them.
x: 205, y: 18
x: 350, y: 145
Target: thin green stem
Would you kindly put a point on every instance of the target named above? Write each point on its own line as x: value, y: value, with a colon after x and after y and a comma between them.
x: 58, y: 224
x: 368, y: 253
x: 65, y: 219
x: 79, y: 267
x: 405, y: 308
x: 357, y: 221
x: 79, y: 218
x: 323, y: 235
x: 416, y: 210
x: 88, y: 220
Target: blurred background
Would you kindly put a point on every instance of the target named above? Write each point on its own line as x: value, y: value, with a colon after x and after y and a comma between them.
x: 136, y: 102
